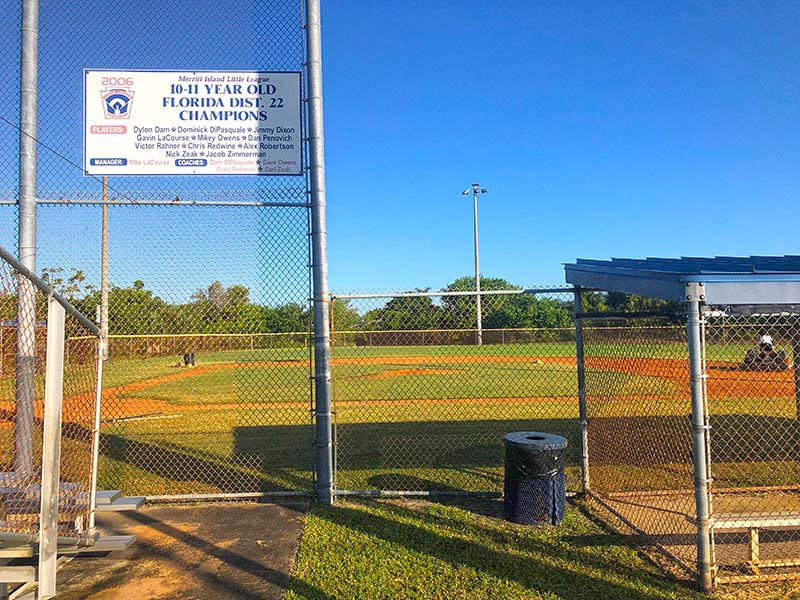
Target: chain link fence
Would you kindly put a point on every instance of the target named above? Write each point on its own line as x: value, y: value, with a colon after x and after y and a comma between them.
x: 207, y: 386
x: 23, y: 361
x: 753, y: 398
x: 639, y: 433
x: 640, y: 436
x: 206, y: 389
x: 422, y: 406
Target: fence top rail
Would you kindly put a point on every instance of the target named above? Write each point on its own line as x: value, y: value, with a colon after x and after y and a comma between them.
x: 133, y: 202
x: 48, y: 291
x: 119, y: 336
x: 594, y: 315
x: 464, y: 330
x: 554, y: 290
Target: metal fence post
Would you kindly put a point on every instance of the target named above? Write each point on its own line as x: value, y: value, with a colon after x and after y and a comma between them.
x: 578, y: 309
x: 699, y: 445
x: 796, y: 365
x: 104, y: 272
x: 51, y: 449
x: 101, y: 347
x: 26, y: 317
x: 102, y: 353
x: 319, y: 249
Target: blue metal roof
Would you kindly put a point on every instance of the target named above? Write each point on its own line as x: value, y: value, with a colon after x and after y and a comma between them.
x: 718, y: 280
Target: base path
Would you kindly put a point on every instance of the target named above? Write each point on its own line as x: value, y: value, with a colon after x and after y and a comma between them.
x: 724, y: 379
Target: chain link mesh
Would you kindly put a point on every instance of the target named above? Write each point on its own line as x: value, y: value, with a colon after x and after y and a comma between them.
x: 640, y: 436
x: 640, y: 445
x: 207, y: 386
x: 753, y: 401
x: 421, y: 407
x: 23, y: 342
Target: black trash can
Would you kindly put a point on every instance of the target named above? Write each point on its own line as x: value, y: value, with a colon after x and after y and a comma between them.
x: 535, y: 487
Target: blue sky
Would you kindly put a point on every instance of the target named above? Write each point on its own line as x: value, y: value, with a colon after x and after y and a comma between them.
x: 601, y: 129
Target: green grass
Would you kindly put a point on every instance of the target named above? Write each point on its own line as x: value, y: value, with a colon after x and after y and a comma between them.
x: 357, y: 382
x: 121, y: 371
x: 242, y: 385
x: 455, y: 446
x: 458, y: 446
x: 421, y: 550
x: 124, y: 371
x: 400, y: 445
x: 463, y: 549
x: 401, y: 440
x: 665, y: 350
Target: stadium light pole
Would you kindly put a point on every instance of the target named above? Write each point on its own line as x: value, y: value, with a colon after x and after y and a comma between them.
x: 475, y: 190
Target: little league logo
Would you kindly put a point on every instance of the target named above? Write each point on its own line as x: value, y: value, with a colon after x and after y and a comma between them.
x: 117, y: 103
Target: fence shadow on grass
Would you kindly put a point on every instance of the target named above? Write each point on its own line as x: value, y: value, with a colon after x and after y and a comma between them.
x: 416, y: 455
x: 647, y: 440
x: 432, y: 455
x: 549, y: 566
x: 197, y: 471
x: 403, y: 481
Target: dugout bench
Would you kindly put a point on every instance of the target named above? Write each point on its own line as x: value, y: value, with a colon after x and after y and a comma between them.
x: 752, y: 523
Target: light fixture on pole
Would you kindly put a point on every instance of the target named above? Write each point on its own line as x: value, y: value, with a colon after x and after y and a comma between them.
x: 475, y: 190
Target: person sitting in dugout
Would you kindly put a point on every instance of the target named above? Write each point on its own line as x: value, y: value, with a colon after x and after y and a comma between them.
x: 765, y: 357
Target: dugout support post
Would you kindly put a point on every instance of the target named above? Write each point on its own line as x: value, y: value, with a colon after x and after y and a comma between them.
x: 51, y: 450
x: 699, y: 443
x: 578, y: 310
x: 796, y: 366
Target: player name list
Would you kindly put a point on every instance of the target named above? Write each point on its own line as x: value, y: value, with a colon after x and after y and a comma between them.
x: 225, y: 149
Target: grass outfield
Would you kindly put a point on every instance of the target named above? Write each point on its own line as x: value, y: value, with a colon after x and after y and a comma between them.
x: 425, y: 417
x: 453, y: 447
x: 127, y: 370
x: 238, y: 436
x: 390, y: 381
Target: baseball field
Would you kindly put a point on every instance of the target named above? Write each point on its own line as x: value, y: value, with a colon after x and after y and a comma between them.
x: 406, y: 417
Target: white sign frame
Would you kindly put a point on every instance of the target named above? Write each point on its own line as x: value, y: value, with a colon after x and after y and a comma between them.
x: 179, y: 123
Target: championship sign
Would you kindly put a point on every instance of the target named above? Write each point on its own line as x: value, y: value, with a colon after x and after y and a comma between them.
x: 192, y: 123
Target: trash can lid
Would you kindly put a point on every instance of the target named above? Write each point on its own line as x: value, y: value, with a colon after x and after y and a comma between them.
x: 535, y: 441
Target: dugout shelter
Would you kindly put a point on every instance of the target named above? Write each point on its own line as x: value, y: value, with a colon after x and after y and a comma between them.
x: 681, y: 442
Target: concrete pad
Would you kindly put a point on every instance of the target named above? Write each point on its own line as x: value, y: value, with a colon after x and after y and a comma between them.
x: 231, y: 551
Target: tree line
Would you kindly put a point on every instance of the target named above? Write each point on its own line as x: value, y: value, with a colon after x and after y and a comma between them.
x: 136, y: 310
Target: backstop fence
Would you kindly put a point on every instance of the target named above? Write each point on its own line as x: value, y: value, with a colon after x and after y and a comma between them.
x: 208, y: 285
